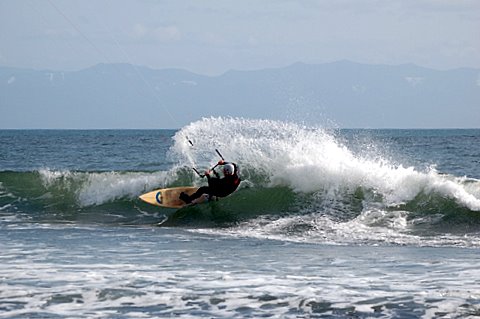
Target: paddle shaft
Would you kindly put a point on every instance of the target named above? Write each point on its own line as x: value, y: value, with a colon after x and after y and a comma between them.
x: 218, y: 152
x: 203, y: 175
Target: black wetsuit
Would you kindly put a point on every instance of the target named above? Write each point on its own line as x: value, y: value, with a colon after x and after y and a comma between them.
x: 219, y: 187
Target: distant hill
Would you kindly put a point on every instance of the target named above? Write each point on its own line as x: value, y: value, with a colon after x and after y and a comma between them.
x: 344, y: 93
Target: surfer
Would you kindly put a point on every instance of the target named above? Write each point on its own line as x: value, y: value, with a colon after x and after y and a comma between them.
x: 218, y: 187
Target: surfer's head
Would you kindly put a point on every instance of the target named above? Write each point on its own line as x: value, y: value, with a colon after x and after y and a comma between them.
x: 228, y: 169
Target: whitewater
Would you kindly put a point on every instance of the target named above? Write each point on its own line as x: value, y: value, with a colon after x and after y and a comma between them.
x: 326, y: 223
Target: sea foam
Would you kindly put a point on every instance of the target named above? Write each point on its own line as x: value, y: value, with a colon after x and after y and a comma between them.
x: 314, y: 160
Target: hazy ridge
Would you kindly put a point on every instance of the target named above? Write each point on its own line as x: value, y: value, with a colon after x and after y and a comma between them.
x: 346, y: 93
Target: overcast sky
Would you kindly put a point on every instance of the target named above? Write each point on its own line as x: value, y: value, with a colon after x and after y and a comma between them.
x: 211, y: 37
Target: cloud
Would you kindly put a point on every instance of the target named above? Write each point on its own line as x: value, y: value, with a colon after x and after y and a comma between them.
x: 436, y: 6
x: 169, y: 33
x: 212, y: 39
x: 158, y: 34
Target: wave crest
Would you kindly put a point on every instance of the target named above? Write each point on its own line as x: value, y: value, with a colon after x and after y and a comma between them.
x: 296, y: 180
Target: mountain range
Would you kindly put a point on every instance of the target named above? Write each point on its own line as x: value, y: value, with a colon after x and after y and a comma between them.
x: 341, y: 94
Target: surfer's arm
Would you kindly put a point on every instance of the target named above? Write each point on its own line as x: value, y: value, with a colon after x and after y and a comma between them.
x: 217, y: 176
x: 207, y: 174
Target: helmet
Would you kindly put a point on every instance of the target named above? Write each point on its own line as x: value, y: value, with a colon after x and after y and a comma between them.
x: 228, y: 169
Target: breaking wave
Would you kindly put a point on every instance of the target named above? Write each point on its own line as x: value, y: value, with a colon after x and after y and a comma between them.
x: 298, y: 182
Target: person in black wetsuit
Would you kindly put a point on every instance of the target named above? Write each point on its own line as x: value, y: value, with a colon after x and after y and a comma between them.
x: 218, y: 187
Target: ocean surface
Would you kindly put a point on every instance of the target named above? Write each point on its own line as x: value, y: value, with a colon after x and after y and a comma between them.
x: 326, y: 223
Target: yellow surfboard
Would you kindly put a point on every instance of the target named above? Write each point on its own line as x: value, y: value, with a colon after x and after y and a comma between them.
x: 168, y: 197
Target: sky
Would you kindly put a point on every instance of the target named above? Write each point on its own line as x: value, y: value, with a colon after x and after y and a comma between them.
x: 212, y: 37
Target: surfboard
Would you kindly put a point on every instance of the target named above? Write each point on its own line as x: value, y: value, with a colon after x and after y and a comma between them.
x: 167, y: 197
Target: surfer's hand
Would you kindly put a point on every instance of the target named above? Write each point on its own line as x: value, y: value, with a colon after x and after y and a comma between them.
x: 207, y: 172
x: 221, y: 162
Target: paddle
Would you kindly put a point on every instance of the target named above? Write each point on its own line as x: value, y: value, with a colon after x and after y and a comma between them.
x: 203, y: 175
x: 196, y: 171
x: 216, y: 150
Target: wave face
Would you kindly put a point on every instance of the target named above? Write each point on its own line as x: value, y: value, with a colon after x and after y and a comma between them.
x: 339, y: 195
x: 299, y: 183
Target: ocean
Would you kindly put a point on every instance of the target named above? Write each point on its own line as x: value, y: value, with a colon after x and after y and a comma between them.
x: 327, y: 223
